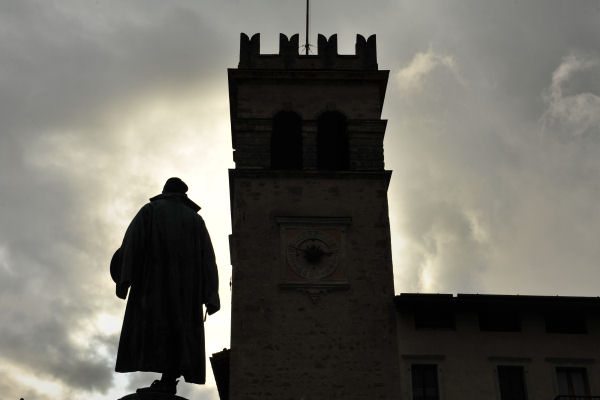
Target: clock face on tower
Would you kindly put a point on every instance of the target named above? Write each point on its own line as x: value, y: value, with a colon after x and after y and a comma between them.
x: 313, y: 253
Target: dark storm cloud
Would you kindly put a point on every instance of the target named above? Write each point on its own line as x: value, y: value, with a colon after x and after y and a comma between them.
x: 573, y: 98
x: 43, y: 290
x: 67, y: 71
x: 508, y: 49
x: 495, y: 150
x: 45, y: 348
x: 12, y: 389
x: 66, y: 63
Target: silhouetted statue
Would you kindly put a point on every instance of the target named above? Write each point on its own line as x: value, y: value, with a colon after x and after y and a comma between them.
x: 167, y: 261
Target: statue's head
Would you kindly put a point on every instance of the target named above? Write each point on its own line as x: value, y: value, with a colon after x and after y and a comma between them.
x: 175, y: 185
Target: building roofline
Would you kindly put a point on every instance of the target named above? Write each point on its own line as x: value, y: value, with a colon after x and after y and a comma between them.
x: 476, y: 302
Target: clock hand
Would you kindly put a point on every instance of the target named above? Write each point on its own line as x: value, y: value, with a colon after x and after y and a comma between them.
x: 325, y: 253
x: 297, y: 248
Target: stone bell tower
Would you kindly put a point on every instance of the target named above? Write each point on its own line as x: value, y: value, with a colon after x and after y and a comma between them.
x: 312, y: 288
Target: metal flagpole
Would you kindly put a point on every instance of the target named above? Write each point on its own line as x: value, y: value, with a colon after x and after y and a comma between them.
x: 306, y: 44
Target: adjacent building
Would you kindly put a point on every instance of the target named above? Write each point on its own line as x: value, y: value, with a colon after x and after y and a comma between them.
x: 498, y: 347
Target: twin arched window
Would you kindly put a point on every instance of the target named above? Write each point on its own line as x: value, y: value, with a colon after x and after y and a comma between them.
x: 332, y: 141
x: 286, y: 141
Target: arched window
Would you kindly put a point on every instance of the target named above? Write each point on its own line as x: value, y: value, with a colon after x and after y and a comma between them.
x: 286, y: 141
x: 332, y: 142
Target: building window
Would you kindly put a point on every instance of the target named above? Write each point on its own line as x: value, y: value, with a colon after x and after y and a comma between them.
x: 499, y: 321
x: 286, y: 141
x: 427, y: 318
x: 572, y: 382
x: 565, y: 322
x: 511, y: 379
x: 332, y: 142
x: 425, y: 382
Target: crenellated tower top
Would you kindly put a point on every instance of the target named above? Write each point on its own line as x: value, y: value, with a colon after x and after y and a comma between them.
x: 289, y: 57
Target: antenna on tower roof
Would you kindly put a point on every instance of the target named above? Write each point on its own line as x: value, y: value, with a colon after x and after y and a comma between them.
x: 306, y: 44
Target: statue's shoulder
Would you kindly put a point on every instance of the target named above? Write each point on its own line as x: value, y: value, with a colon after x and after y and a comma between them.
x: 146, y: 209
x: 200, y: 220
x: 175, y: 198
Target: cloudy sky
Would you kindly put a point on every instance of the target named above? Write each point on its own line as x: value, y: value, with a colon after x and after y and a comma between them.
x: 493, y: 137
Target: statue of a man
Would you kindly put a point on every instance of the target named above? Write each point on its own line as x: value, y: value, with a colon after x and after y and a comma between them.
x: 167, y: 261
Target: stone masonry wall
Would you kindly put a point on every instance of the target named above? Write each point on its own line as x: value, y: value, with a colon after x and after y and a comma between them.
x: 284, y: 346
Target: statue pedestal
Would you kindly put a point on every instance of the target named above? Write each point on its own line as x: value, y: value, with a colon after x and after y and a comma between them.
x: 151, y: 396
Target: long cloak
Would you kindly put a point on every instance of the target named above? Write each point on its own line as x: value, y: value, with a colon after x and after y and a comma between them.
x: 168, y: 261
